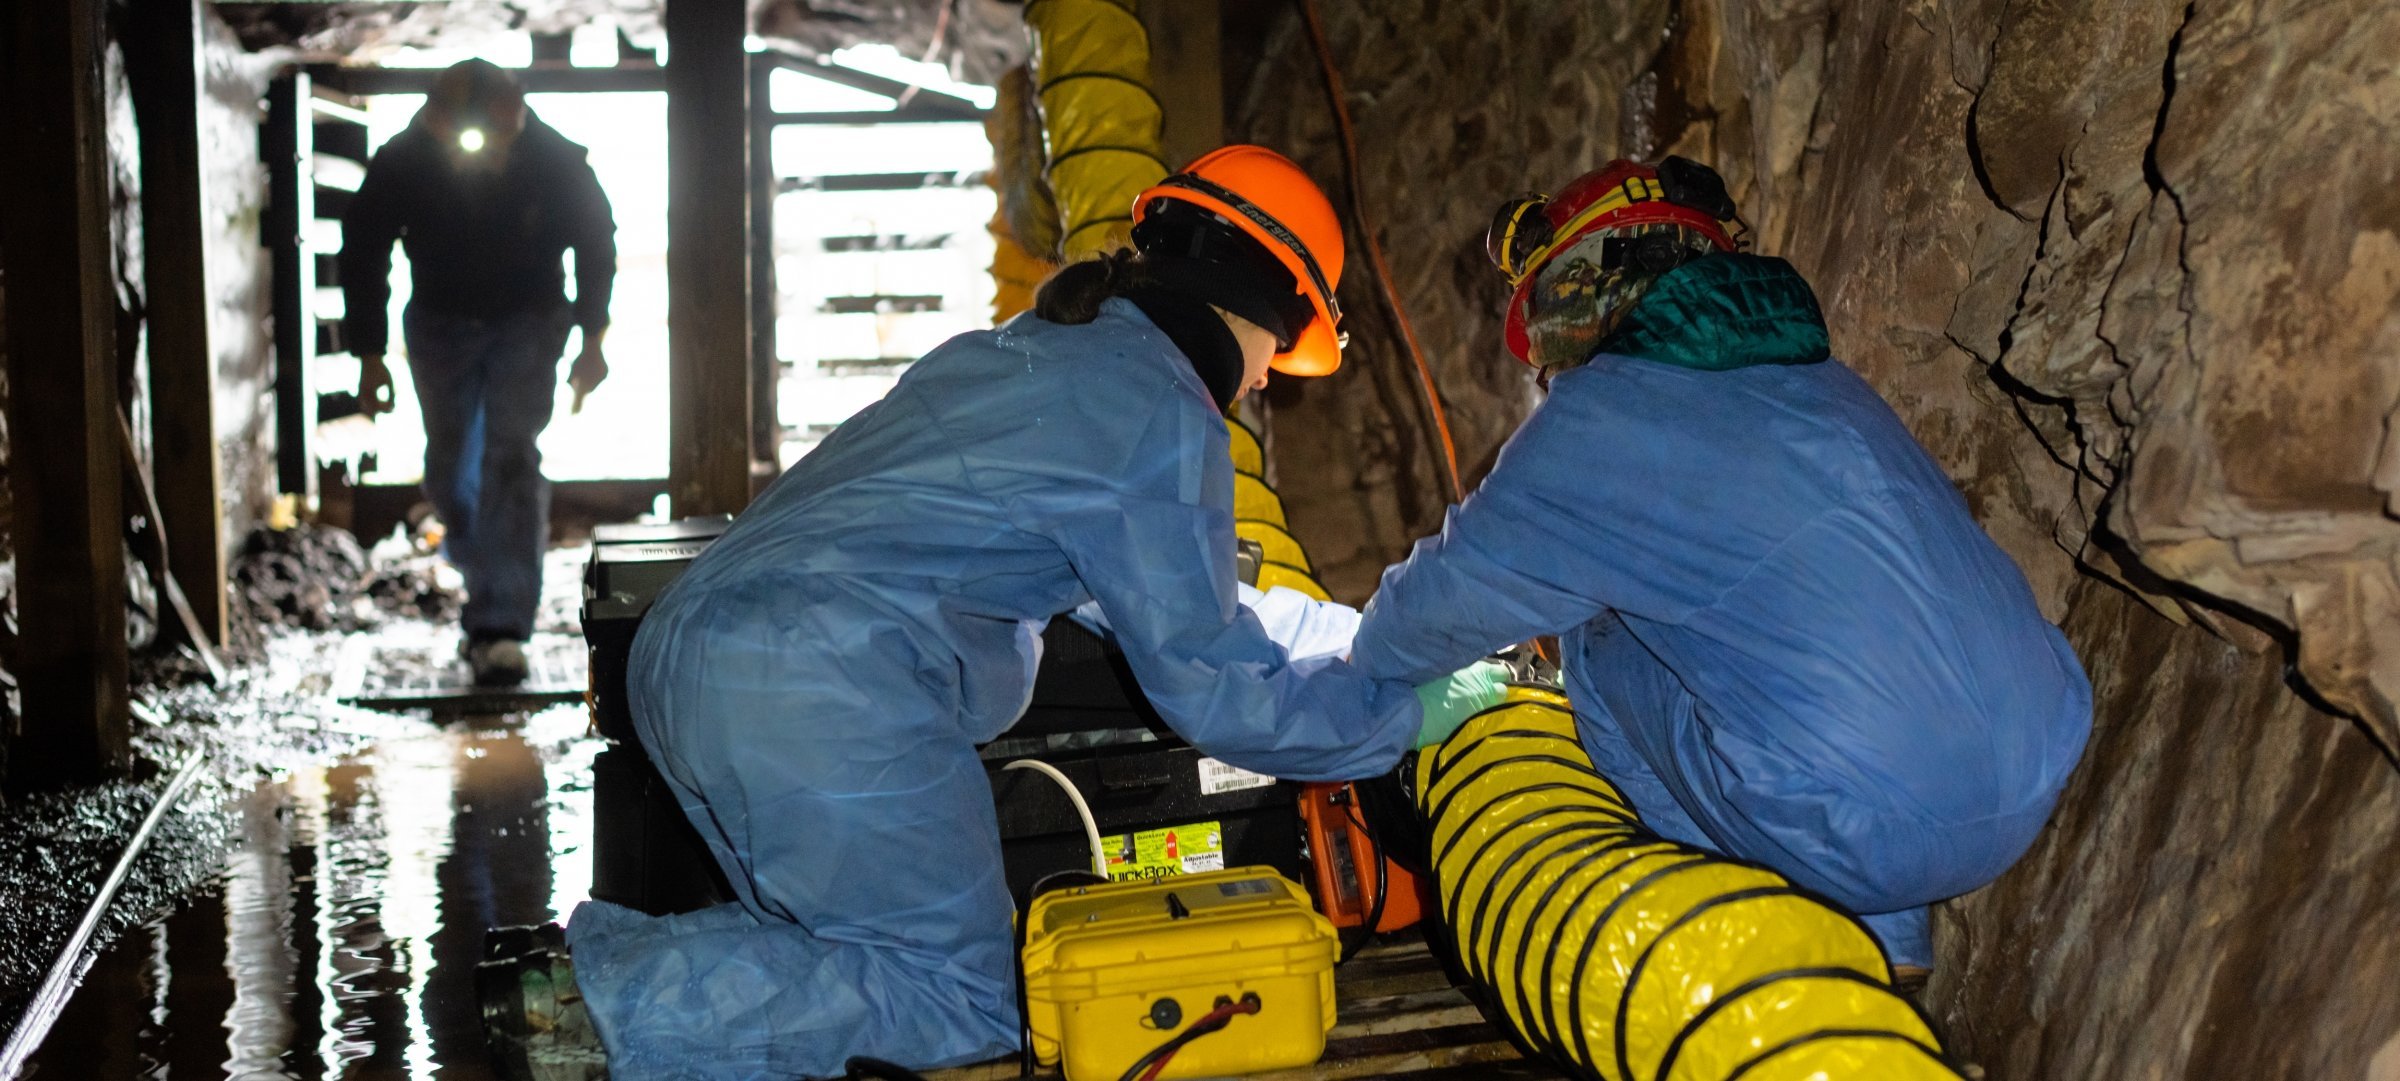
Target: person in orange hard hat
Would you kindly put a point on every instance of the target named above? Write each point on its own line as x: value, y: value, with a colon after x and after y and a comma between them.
x: 815, y: 686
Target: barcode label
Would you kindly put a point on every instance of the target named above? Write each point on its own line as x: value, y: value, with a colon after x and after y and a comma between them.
x: 1217, y: 777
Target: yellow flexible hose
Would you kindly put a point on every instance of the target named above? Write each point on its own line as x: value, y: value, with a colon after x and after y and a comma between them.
x: 1016, y: 274
x: 1100, y: 121
x: 1625, y: 956
x: 1258, y: 516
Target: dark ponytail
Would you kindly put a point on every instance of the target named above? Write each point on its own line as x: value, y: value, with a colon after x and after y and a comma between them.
x: 1072, y: 296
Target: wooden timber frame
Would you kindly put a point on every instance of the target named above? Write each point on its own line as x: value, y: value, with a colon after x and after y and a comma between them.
x: 913, y: 105
x: 65, y: 468
x: 284, y: 145
x: 709, y: 346
x: 163, y: 66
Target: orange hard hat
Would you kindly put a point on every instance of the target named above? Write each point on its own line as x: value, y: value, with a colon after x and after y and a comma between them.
x: 1271, y: 200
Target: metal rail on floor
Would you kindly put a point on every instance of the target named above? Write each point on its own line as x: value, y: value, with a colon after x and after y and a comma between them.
x: 51, y: 998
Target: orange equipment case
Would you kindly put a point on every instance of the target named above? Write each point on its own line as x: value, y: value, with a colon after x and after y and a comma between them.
x: 1343, y: 869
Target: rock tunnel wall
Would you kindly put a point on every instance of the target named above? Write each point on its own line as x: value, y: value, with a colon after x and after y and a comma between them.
x: 233, y: 191
x: 2129, y: 270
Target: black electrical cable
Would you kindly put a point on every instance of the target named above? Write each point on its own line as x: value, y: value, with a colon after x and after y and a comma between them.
x: 1214, y: 1021
x: 1352, y: 173
x: 1383, y: 877
x: 1025, y: 1063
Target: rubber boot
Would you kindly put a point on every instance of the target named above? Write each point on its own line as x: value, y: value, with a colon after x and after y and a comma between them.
x: 533, y: 1016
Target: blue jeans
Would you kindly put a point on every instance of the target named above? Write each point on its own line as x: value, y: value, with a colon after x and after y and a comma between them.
x: 486, y: 387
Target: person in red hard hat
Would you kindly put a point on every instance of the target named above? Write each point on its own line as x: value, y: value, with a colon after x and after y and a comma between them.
x: 1785, y: 637
x: 815, y: 686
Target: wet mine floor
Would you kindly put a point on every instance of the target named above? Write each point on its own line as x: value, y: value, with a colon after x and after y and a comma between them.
x: 341, y: 937
x: 316, y: 906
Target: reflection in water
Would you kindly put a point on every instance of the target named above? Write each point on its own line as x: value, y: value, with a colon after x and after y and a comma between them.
x: 343, y: 940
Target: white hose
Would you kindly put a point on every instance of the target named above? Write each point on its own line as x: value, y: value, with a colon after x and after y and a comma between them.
x: 1091, y: 829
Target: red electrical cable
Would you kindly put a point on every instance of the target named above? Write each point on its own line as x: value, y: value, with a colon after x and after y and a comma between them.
x: 1155, y: 1063
x: 1383, y: 273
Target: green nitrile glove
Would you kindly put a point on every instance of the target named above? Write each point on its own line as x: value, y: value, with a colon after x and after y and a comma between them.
x: 1449, y: 701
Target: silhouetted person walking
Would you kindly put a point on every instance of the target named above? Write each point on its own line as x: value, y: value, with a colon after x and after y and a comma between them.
x: 485, y: 198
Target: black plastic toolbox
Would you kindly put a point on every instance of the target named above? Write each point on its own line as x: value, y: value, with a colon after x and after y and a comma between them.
x: 1156, y: 799
x: 631, y: 565
x: 1089, y: 720
x: 645, y: 853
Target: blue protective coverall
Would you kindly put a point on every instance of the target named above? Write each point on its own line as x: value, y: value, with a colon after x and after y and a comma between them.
x: 1784, y: 635
x: 814, y: 688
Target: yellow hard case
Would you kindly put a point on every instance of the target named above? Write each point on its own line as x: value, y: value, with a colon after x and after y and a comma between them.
x: 1099, y: 960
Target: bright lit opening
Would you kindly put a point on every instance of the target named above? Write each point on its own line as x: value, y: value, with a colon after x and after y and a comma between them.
x: 621, y: 434
x: 872, y: 269
x: 871, y: 277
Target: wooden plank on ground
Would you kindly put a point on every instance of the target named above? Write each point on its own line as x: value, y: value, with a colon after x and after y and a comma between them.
x: 410, y: 665
x: 68, y: 520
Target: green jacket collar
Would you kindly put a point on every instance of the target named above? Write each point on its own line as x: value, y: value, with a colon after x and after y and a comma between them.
x: 1725, y: 312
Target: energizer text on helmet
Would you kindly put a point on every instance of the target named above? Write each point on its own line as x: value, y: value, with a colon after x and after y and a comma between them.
x: 1272, y: 227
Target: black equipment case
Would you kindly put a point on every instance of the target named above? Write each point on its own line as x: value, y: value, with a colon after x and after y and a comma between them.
x: 645, y: 853
x: 1160, y: 805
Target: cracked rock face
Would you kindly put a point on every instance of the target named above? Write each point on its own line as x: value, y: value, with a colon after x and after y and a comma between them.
x: 2131, y: 270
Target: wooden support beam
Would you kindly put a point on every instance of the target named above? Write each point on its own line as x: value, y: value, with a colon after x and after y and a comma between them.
x: 923, y: 99
x: 69, y: 524
x: 1187, y: 71
x: 287, y: 143
x: 766, y: 364
x: 163, y: 64
x: 540, y: 79
x: 708, y: 256
x: 869, y: 118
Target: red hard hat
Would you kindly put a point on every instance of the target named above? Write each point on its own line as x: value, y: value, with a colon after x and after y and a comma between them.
x: 1529, y: 231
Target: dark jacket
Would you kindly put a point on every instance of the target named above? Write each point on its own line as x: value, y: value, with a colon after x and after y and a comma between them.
x: 477, y: 250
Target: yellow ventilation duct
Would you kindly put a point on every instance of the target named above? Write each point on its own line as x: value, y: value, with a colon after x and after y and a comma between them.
x: 1258, y: 517
x: 1628, y: 957
x: 1100, y: 122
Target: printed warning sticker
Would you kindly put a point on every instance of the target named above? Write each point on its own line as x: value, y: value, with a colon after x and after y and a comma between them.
x: 1162, y: 853
x: 1217, y: 778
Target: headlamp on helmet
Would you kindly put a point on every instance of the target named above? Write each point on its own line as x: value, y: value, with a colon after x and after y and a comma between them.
x: 1650, y: 219
x: 1529, y: 229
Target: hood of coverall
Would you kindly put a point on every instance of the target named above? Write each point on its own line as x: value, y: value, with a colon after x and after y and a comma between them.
x: 1724, y: 312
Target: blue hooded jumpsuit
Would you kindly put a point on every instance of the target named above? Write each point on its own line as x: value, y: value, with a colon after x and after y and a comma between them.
x: 815, y: 686
x: 1785, y: 637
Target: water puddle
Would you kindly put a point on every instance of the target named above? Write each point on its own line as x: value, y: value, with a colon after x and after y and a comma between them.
x: 341, y: 940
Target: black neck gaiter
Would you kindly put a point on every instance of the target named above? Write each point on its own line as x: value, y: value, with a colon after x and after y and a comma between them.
x: 1201, y: 334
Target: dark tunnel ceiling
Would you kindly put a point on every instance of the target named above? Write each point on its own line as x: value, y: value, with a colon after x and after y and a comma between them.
x: 979, y: 38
